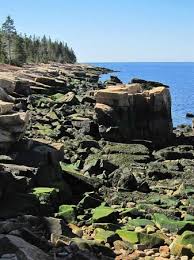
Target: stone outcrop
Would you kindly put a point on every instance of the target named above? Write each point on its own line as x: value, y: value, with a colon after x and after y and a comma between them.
x: 126, y: 112
x: 12, y: 122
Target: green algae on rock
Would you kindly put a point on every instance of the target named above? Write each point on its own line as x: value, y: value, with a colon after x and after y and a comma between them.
x: 104, y: 214
x: 67, y: 212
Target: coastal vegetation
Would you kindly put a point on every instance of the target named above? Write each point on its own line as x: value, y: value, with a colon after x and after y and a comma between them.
x: 17, y: 49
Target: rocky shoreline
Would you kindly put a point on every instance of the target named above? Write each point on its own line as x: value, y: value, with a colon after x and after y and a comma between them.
x: 74, y: 184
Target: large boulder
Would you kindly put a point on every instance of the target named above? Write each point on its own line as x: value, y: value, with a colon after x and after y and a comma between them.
x: 128, y: 112
x: 20, y: 248
x: 12, y: 127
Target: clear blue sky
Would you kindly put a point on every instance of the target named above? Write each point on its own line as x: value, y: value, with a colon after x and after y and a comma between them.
x: 111, y: 30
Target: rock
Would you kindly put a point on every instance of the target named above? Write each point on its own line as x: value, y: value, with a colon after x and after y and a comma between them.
x: 183, y: 245
x: 54, y: 225
x: 97, y: 166
x: 164, y: 251
x: 122, y: 245
x: 172, y: 225
x: 123, y: 179
x: 104, y: 214
x: 90, y: 200
x: 76, y: 230
x: 151, y: 84
x: 105, y: 236
x: 139, y: 222
x: 16, y: 178
x: 124, y: 108
x: 69, y: 98
x: 113, y: 81
x: 189, y: 115
x: 7, y: 82
x: 14, y: 204
x: 158, y: 171
x: 48, y: 198
x: 67, y: 212
x: 175, y: 152
x: 129, y: 236
x: 5, y: 107
x: 32, y: 238
x: 12, y: 127
x: 93, y: 246
x: 150, y: 241
x: 19, y: 247
x: 50, y: 81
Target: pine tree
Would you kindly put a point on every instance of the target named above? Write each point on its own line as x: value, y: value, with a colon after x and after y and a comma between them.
x: 3, y: 56
x: 19, y: 51
x: 44, y: 50
x: 9, y: 33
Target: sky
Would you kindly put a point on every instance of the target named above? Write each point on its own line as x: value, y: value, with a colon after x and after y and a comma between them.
x: 110, y: 30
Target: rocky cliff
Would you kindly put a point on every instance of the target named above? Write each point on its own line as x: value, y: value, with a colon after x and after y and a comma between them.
x: 126, y: 112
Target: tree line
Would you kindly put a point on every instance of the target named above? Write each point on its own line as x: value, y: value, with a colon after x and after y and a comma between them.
x: 17, y: 49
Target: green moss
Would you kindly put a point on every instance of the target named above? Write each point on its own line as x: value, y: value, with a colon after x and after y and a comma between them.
x: 57, y: 96
x: 184, y: 244
x: 129, y: 236
x: 69, y: 167
x: 103, y: 214
x: 67, y: 212
x: 41, y: 190
x: 150, y: 241
x: 46, y: 195
x: 105, y: 236
x: 162, y: 221
x: 135, y: 149
x: 140, y: 222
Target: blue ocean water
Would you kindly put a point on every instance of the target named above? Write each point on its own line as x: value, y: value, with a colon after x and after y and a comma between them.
x: 178, y: 75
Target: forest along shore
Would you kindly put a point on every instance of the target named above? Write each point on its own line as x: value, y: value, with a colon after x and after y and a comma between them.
x: 88, y: 171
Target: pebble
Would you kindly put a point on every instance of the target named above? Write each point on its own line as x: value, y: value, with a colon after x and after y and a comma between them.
x: 130, y: 204
x: 140, y: 247
x: 149, y: 252
x: 164, y: 251
x: 139, y: 229
x: 184, y: 257
x: 150, y: 229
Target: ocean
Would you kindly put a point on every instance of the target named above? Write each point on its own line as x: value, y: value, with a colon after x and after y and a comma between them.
x: 179, y: 76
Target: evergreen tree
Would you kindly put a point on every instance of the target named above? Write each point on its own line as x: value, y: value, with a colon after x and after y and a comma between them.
x: 19, y: 51
x: 3, y: 56
x: 44, y: 50
x: 9, y: 33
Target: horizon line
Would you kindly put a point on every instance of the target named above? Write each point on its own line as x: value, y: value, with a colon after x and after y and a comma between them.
x: 136, y: 61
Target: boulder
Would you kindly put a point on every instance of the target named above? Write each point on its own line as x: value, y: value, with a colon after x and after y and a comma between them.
x: 104, y: 214
x: 5, y: 107
x: 123, y: 179
x: 93, y: 246
x: 50, y: 81
x: 7, y: 82
x: 134, y: 113
x: 69, y: 98
x: 10, y: 244
x: 67, y: 212
x: 12, y: 127
x: 6, y: 97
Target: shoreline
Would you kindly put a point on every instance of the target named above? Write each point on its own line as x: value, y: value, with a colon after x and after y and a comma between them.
x: 70, y: 188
